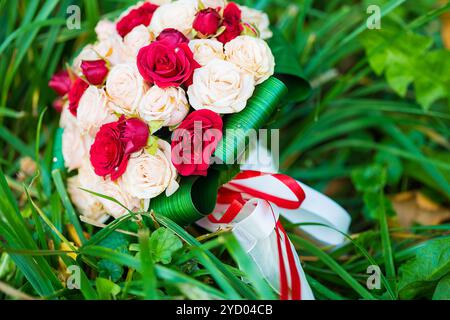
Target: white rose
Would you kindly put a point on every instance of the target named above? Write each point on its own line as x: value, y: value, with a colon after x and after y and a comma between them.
x: 105, y: 29
x: 169, y: 105
x: 147, y: 176
x: 113, y: 50
x: 214, y: 3
x: 179, y: 15
x: 92, y: 111
x: 159, y: 2
x: 75, y: 147
x: 252, y: 55
x: 221, y: 87
x: 67, y: 119
x: 206, y: 50
x: 88, y: 204
x: 138, y: 38
x: 258, y: 19
x: 115, y: 190
x: 125, y: 87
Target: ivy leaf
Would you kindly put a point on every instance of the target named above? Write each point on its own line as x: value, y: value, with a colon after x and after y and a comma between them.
x: 163, y: 243
x: 420, y: 276
x: 406, y: 59
x: 393, y: 165
x: 369, y: 179
x: 108, y: 269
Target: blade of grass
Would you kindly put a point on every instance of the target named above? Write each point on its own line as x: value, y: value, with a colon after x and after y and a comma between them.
x: 147, y: 266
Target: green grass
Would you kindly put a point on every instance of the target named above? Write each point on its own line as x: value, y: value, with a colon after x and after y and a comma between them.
x: 353, y: 122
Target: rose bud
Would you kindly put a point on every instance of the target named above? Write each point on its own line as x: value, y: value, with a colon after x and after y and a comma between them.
x: 95, y: 71
x: 172, y: 36
x: 194, y: 142
x: 135, y: 135
x: 141, y: 15
x: 107, y: 153
x: 232, y: 23
x: 207, y: 22
x: 58, y: 105
x: 60, y: 83
x: 76, y: 92
x: 166, y: 66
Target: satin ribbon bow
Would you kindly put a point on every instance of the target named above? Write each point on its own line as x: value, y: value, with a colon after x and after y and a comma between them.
x: 251, y: 203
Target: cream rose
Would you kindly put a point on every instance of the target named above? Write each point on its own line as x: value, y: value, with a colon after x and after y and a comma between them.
x: 125, y: 87
x: 113, y: 50
x: 169, y: 105
x: 221, y: 87
x: 214, y: 3
x: 179, y: 15
x: 92, y: 111
x: 88, y: 204
x: 148, y: 176
x: 252, y: 55
x: 138, y: 38
x: 115, y: 190
x: 105, y: 29
x: 67, y: 119
x: 258, y: 19
x: 159, y: 2
x: 75, y: 147
x: 206, y: 50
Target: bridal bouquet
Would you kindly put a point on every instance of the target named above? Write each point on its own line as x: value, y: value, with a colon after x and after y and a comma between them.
x: 158, y: 68
x: 145, y: 115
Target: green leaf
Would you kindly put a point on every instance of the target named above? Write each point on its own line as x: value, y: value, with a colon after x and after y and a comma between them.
x: 393, y: 165
x: 163, y: 243
x: 369, y: 179
x: 442, y: 291
x: 107, y: 268
x: 418, y: 277
x: 106, y: 289
x: 110, y: 270
x: 405, y: 59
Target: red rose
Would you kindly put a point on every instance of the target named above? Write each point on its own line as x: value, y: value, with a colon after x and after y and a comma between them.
x: 114, y: 143
x: 142, y: 15
x: 207, y: 22
x: 172, y: 36
x: 75, y: 94
x: 232, y: 23
x: 135, y: 135
x: 165, y: 65
x: 107, y: 153
x: 58, y: 105
x: 95, y: 71
x: 60, y: 83
x: 194, y: 141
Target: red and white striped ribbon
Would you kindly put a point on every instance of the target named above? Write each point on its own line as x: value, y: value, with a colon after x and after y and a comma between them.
x: 251, y: 203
